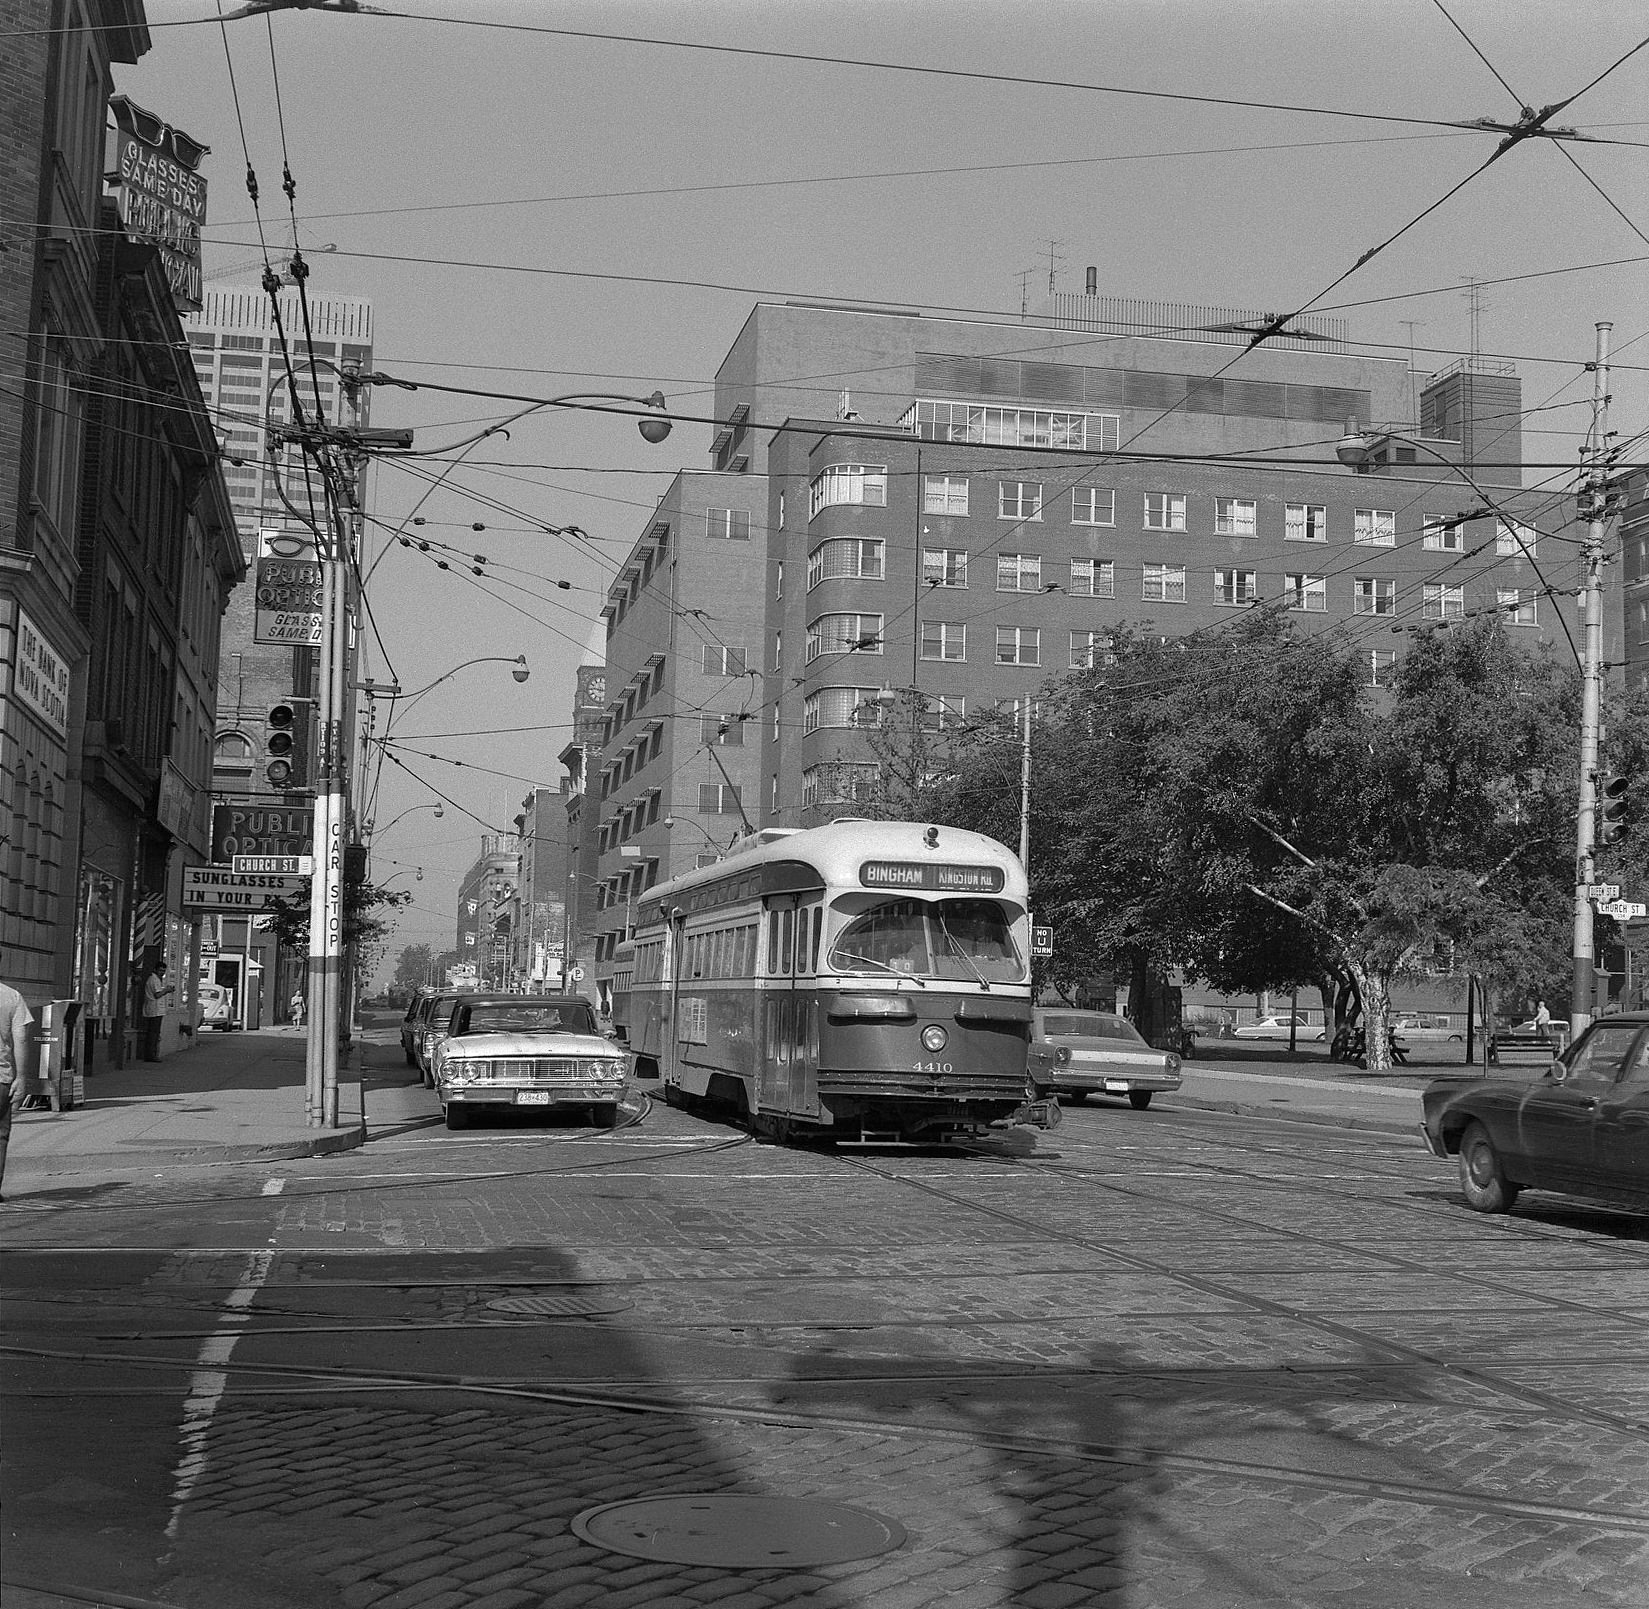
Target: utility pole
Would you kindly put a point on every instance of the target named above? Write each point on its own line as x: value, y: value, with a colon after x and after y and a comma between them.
x: 1597, y: 505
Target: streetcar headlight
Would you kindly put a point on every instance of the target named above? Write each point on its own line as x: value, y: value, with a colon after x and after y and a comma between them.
x: 934, y: 1036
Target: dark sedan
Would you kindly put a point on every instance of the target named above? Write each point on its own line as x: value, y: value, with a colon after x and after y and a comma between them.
x: 1582, y: 1128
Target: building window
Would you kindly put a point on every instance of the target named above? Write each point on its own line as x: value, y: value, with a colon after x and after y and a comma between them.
x: 840, y: 782
x: 1439, y: 602
x: 1018, y: 645
x: 1235, y: 516
x: 723, y: 661
x: 1374, y: 527
x: 1014, y: 427
x: 942, y: 640
x: 728, y: 524
x: 1165, y: 511
x: 1019, y: 499
x: 1375, y: 595
x: 1236, y: 586
x: 1018, y: 572
x: 1307, y: 592
x: 1164, y: 583
x: 1439, y: 534
x: 944, y: 494
x: 725, y: 731
x: 864, y: 484
x: 844, y: 634
x: 939, y: 713
x: 1512, y: 539
x: 945, y: 567
x: 854, y: 558
x: 841, y: 706
x: 1093, y: 578
x: 1517, y: 605
x: 718, y: 799
x: 1093, y: 505
x: 1090, y: 648
x: 1305, y: 522
x: 1381, y: 664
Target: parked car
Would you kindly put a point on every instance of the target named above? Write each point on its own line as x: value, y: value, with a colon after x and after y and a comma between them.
x: 513, y: 1050
x: 1418, y: 1030
x: 1280, y: 1028
x: 432, y: 1029
x: 217, y: 1006
x: 1076, y: 1053
x: 1581, y: 1128
x: 409, y: 1027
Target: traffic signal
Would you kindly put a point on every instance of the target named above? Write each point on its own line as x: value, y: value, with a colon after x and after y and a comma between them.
x: 280, y: 746
x: 1611, y: 806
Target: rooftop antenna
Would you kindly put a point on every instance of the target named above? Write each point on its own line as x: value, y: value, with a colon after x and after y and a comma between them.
x: 1055, y: 257
x: 1025, y: 293
x: 1475, y: 305
x: 1411, y: 325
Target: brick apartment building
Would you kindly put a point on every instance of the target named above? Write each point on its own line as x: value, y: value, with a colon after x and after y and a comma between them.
x: 969, y: 509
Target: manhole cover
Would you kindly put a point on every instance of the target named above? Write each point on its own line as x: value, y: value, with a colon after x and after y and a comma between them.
x: 559, y: 1306
x: 739, y: 1533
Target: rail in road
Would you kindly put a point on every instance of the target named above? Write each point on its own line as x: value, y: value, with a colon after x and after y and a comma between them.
x: 1159, y: 1358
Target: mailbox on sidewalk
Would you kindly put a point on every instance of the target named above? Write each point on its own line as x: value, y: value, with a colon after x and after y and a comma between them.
x: 62, y: 1078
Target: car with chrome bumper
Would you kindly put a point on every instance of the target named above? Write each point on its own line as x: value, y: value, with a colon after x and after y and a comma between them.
x: 1581, y: 1127
x: 1082, y: 1053
x: 516, y: 1052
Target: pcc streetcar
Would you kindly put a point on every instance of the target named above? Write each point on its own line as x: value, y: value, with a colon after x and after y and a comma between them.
x: 861, y: 981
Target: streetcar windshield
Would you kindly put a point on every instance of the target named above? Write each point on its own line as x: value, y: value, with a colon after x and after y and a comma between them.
x: 962, y: 940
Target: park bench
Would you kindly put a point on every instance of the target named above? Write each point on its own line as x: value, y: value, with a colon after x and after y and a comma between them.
x: 1522, y: 1045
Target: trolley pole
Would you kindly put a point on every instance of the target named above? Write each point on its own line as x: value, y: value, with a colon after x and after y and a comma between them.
x: 1581, y: 999
x: 1025, y: 791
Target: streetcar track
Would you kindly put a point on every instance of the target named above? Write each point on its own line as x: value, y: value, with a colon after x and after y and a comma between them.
x: 1149, y: 1457
x: 1266, y: 1307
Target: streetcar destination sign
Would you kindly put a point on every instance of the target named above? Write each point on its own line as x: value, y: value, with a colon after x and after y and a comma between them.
x: 950, y: 879
x: 285, y: 865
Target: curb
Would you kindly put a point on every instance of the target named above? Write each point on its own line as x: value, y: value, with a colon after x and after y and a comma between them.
x: 1338, y: 1120
x: 332, y: 1143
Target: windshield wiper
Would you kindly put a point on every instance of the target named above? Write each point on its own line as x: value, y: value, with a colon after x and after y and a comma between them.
x: 871, y: 961
x: 957, y: 950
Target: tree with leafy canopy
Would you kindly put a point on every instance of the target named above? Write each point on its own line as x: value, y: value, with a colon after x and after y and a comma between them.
x: 412, y: 967
x: 364, y: 926
x: 1242, y: 807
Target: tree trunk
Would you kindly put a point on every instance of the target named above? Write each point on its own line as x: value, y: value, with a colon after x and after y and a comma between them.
x: 1375, y: 988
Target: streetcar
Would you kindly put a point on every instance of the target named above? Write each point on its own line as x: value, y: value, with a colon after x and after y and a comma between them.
x: 865, y: 981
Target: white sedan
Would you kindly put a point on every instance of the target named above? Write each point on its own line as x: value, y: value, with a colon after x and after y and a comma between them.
x: 1280, y: 1028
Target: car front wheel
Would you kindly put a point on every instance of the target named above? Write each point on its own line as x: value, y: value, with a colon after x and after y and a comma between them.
x: 1481, y: 1177
x: 1139, y: 1099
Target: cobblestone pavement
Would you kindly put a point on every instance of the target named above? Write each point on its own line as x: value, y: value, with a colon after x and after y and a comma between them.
x: 1160, y: 1361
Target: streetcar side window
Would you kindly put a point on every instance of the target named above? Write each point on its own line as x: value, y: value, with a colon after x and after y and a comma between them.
x: 785, y: 941
x: 772, y: 944
x: 818, y: 929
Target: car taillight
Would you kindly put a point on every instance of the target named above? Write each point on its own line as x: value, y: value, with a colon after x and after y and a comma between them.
x: 1063, y: 1054
x: 1172, y: 1062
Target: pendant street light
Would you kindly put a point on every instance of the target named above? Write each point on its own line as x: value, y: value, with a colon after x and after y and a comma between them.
x: 392, y: 690
x: 373, y: 829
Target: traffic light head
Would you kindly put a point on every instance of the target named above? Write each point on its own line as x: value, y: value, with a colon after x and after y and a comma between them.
x: 1611, y: 806
x: 280, y: 745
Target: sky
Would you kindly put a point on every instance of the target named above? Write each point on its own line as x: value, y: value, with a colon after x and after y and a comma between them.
x: 544, y: 198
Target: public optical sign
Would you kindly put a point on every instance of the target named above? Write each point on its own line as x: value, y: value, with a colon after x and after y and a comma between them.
x: 288, y: 591
x: 948, y: 879
x: 162, y: 196
x: 254, y: 830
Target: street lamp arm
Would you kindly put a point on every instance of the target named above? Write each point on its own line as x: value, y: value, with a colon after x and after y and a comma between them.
x: 654, y: 425
x: 392, y: 691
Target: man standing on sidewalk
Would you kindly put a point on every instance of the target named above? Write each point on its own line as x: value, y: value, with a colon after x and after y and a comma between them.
x: 156, y: 992
x: 15, y: 1020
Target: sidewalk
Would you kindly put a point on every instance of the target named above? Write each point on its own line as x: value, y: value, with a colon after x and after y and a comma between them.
x: 229, y: 1097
